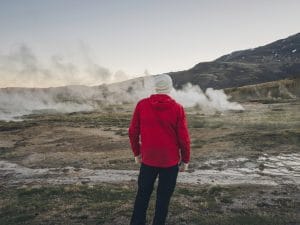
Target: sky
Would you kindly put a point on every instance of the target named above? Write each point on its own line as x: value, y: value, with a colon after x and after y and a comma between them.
x: 57, y: 42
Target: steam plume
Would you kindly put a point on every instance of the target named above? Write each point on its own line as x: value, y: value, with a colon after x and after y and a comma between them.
x: 210, y: 101
x: 22, y: 68
x: 20, y: 101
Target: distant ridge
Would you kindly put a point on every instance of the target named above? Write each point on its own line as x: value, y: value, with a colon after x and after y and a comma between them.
x: 275, y: 61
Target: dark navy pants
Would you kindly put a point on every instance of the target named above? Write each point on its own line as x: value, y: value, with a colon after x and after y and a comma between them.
x: 166, y: 184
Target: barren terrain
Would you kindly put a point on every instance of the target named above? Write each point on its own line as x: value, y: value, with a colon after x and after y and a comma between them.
x: 77, y: 168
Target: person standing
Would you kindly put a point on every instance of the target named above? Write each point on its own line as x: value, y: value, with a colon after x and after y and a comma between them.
x: 160, y: 142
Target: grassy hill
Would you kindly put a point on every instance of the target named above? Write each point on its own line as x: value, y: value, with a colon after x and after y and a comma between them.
x: 275, y: 61
x: 269, y: 91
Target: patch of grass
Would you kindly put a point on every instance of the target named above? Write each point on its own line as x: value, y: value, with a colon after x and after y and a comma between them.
x: 80, y: 204
x: 105, y: 203
x: 198, y: 143
x: 91, y: 119
x: 228, y: 219
x: 16, y: 125
x: 121, y: 132
x: 197, y: 124
x: 214, y: 190
x: 203, y: 123
x: 266, y: 140
x: 226, y: 199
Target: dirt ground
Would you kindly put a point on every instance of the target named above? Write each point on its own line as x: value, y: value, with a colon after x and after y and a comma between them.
x: 78, y: 168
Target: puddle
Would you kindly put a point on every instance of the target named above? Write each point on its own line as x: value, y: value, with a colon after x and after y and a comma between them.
x: 276, y: 170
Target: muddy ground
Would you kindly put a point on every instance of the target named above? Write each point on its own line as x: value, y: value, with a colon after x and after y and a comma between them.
x: 78, y: 168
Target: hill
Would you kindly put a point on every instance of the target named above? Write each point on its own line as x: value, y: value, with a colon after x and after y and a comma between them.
x: 273, y: 91
x: 275, y: 61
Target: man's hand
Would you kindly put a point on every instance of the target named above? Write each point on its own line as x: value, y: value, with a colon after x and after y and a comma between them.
x: 138, y: 159
x: 183, y: 167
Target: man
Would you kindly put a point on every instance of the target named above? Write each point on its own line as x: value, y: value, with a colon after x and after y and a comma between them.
x: 160, y: 141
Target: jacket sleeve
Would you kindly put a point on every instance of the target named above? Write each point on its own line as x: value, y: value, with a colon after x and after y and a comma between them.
x: 134, y: 132
x: 183, y: 136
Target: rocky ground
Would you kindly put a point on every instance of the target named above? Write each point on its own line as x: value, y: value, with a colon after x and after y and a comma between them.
x: 77, y: 168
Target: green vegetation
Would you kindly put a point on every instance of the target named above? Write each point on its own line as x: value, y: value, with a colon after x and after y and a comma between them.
x: 63, y: 204
x: 112, y: 204
x: 16, y: 125
x: 88, y: 119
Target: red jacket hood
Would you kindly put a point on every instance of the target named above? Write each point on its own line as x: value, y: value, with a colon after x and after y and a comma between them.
x: 161, y: 101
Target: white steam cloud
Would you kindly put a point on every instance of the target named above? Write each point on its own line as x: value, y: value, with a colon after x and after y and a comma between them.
x: 22, y: 68
x: 210, y: 101
x: 15, y: 102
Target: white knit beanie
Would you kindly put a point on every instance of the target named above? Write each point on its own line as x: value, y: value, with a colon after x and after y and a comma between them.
x: 163, y: 83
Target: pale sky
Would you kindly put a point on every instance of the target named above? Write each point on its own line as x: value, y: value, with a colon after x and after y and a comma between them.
x: 135, y: 35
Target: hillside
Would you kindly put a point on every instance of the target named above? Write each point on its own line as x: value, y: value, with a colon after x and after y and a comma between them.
x: 275, y: 61
x: 288, y: 89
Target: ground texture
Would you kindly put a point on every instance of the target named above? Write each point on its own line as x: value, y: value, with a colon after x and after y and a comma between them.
x: 78, y: 168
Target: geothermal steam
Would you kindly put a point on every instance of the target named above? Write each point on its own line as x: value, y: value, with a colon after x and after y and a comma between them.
x: 15, y: 102
x: 22, y: 68
x: 210, y: 101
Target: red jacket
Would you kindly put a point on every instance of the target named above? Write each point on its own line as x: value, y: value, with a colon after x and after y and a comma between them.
x: 158, y: 130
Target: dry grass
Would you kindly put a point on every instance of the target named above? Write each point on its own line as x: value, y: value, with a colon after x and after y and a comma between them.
x: 99, y: 140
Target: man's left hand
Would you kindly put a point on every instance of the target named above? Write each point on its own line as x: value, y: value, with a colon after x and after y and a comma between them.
x: 138, y: 159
